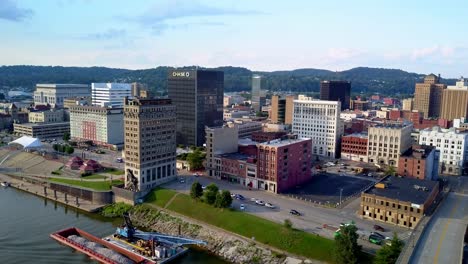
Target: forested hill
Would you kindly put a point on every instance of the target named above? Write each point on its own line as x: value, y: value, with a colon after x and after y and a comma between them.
x: 385, y: 81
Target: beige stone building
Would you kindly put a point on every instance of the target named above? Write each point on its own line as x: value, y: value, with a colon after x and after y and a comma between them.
x: 150, y: 142
x: 51, y: 116
x: 219, y: 140
x: 42, y: 130
x: 387, y: 142
x: 282, y: 109
x: 399, y: 201
x: 408, y: 104
x: 455, y: 101
x: 428, y: 96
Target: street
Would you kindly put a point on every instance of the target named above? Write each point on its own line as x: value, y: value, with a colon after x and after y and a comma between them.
x: 312, y: 217
x: 442, y: 241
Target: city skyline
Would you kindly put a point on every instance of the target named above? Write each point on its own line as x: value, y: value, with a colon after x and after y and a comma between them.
x: 260, y: 35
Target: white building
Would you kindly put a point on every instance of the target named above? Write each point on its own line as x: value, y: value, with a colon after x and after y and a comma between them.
x: 103, y: 126
x: 387, y: 142
x: 229, y: 114
x: 350, y: 115
x: 55, y: 94
x: 245, y: 128
x: 110, y: 94
x: 320, y: 121
x: 452, y: 145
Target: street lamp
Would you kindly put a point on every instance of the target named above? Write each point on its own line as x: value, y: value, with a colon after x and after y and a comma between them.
x: 341, y: 192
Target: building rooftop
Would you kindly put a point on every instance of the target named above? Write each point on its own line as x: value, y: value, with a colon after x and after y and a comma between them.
x: 234, y: 156
x: 284, y: 142
x: 405, y: 189
x: 57, y: 85
x: 359, y: 135
x: 418, y: 151
x: 393, y: 125
x: 44, y: 124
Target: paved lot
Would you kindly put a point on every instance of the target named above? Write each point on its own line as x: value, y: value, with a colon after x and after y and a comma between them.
x: 312, y: 219
x: 442, y: 241
x: 326, y: 188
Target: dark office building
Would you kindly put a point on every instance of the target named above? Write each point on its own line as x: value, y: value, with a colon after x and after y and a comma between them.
x: 198, y: 97
x: 336, y: 91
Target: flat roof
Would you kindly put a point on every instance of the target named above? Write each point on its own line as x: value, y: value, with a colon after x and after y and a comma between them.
x: 359, y: 135
x: 405, y: 189
x: 234, y: 156
x: 43, y: 124
x: 284, y: 142
x: 59, y: 85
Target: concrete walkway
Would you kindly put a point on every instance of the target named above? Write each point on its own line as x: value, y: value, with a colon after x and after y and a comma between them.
x: 38, y: 190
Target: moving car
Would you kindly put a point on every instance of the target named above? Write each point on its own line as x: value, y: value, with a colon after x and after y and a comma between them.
x: 240, y: 197
x: 269, y: 205
x: 182, y: 180
x: 260, y: 202
x: 242, y: 207
x: 119, y: 160
x: 294, y: 212
x: 379, y: 228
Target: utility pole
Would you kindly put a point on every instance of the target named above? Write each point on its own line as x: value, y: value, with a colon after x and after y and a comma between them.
x: 341, y: 192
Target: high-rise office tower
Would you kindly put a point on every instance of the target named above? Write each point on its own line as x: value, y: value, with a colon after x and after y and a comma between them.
x: 110, y: 94
x: 198, y: 97
x: 407, y: 104
x: 428, y: 96
x: 258, y: 93
x: 336, y: 91
x: 282, y: 109
x: 137, y: 88
x: 150, y: 142
x: 455, y: 101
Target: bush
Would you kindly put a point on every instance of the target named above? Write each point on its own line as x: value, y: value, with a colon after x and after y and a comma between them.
x: 288, y: 224
x: 115, y: 210
x: 210, y: 193
x: 223, y: 199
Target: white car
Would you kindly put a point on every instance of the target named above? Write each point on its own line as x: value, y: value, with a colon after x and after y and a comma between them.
x: 242, y: 207
x: 203, y: 187
x: 260, y: 202
x: 269, y: 205
x: 253, y: 200
x: 233, y: 195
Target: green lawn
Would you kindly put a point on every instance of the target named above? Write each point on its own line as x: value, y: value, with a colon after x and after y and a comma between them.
x: 94, y: 176
x: 160, y: 197
x: 267, y: 232
x: 114, y: 171
x: 96, y: 185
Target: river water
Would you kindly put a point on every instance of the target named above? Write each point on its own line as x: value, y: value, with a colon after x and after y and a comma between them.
x: 27, y: 220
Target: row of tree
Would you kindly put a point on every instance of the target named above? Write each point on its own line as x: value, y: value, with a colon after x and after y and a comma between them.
x: 212, y: 195
x: 347, y: 250
x: 63, y: 148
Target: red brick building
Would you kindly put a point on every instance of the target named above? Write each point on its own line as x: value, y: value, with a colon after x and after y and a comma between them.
x: 233, y: 167
x: 419, y: 162
x: 262, y: 136
x: 283, y: 164
x: 390, y: 101
x: 354, y: 147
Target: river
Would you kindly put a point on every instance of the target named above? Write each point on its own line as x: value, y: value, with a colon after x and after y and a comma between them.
x: 27, y: 220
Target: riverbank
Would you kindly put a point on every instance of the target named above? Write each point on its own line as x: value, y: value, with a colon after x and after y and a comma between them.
x: 41, y: 190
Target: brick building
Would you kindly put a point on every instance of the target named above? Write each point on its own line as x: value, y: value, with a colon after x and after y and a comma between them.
x: 419, y: 162
x: 399, y: 201
x: 360, y: 105
x: 354, y: 147
x: 283, y: 164
x: 234, y: 167
x: 262, y: 136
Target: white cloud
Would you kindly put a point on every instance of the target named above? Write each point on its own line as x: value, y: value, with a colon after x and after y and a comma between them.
x: 434, y: 51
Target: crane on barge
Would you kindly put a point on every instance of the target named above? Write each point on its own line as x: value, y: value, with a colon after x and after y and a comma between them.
x: 129, y: 232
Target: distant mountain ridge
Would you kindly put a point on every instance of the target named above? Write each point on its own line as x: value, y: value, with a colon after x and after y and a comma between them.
x: 368, y: 80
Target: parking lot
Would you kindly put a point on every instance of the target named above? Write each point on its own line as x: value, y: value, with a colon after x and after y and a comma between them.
x: 326, y: 188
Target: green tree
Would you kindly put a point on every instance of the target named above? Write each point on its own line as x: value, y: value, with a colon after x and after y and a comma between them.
x: 66, y: 136
x: 181, y: 146
x: 210, y: 193
x: 347, y: 250
x: 389, y: 253
x: 390, y: 170
x: 288, y: 224
x: 196, y: 191
x: 195, y: 160
x: 223, y: 199
x: 69, y: 149
x: 55, y: 147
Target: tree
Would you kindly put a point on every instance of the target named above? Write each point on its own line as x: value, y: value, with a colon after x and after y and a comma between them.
x: 288, y: 224
x: 223, y: 199
x: 196, y: 191
x: 347, y: 250
x: 66, y: 136
x: 69, y: 149
x: 181, y: 146
x: 55, y: 147
x: 389, y: 253
x: 390, y: 171
x: 195, y: 160
x: 210, y: 193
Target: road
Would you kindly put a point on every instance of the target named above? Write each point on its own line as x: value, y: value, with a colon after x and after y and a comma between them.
x: 442, y: 241
x: 312, y: 219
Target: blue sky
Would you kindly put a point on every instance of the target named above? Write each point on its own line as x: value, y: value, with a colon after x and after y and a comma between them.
x: 418, y: 36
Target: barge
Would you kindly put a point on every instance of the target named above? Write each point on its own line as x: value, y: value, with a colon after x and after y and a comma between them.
x: 127, y: 246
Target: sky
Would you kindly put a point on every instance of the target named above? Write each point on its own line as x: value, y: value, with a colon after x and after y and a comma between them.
x: 263, y: 35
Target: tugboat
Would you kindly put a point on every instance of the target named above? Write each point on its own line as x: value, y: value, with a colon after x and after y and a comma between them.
x: 5, y: 184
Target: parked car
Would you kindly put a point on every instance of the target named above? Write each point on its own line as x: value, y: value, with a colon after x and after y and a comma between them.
x: 375, y: 239
x: 378, y: 234
x: 195, y: 174
x: 294, y: 212
x: 240, y: 197
x: 260, y: 202
x: 379, y: 228
x: 253, y: 199
x: 242, y: 207
x: 182, y: 180
x: 203, y: 187
x: 119, y: 160
x: 269, y: 205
